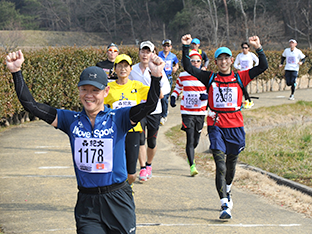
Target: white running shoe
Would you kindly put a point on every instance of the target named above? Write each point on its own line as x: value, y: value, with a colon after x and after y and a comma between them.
x: 163, y: 120
x: 225, y: 212
x: 291, y: 97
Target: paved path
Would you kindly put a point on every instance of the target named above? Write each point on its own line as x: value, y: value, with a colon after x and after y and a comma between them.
x: 38, y: 188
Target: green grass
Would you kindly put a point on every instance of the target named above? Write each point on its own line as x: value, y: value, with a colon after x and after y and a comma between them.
x: 285, y: 150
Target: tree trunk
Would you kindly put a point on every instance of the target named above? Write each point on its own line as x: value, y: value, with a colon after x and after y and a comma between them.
x: 227, y: 23
x: 131, y: 20
x: 149, y: 20
x: 245, y: 18
x: 255, y: 14
x: 114, y: 19
x: 164, y: 30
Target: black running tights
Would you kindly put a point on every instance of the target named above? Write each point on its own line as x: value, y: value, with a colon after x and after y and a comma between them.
x: 192, y: 139
x: 225, y: 170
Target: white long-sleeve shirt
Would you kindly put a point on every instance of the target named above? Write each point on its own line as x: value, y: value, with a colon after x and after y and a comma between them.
x: 245, y: 61
x: 145, y: 78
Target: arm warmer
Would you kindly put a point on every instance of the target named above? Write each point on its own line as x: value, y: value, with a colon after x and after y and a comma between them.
x: 139, y: 111
x: 42, y: 111
x: 282, y: 59
x: 262, y: 66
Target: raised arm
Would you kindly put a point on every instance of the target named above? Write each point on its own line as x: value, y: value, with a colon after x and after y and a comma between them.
x: 14, y: 63
x: 138, y: 112
x: 201, y: 75
x: 263, y: 63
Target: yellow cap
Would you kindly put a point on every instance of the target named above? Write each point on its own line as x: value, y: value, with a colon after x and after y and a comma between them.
x: 122, y: 57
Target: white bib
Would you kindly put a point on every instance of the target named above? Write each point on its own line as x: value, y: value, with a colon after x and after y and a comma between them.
x: 244, y: 64
x: 291, y: 59
x: 168, y: 65
x: 230, y: 97
x: 94, y: 155
x: 191, y: 100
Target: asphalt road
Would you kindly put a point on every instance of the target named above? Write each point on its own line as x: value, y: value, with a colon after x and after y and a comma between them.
x: 38, y: 188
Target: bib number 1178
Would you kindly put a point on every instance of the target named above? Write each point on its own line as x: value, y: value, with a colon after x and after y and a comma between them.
x: 94, y: 155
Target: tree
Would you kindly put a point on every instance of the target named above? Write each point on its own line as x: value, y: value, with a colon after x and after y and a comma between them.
x: 227, y: 22
x: 241, y: 7
x: 9, y: 16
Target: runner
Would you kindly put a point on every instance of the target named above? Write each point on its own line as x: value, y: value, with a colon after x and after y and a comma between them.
x: 140, y: 72
x: 108, y: 64
x: 105, y: 203
x: 193, y: 108
x: 124, y: 93
x: 225, y: 120
x: 171, y: 67
x: 294, y: 58
x: 244, y: 61
x: 195, y: 44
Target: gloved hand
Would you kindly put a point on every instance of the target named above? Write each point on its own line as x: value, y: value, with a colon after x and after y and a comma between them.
x: 172, y: 101
x: 203, y: 96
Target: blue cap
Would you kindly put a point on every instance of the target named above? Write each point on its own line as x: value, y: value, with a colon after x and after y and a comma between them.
x: 195, y: 41
x: 222, y: 50
x: 93, y: 76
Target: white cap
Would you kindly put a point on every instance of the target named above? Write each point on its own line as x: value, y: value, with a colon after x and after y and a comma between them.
x: 148, y: 44
x: 293, y: 40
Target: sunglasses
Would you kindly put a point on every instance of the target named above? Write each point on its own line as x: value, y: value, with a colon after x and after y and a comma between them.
x: 112, y: 50
x: 166, y: 45
x: 195, y: 60
x: 245, y: 48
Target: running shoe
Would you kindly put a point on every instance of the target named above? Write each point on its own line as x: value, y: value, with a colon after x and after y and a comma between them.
x: 246, y: 104
x: 143, y: 175
x: 193, y: 170
x: 229, y: 196
x: 291, y: 97
x: 149, y: 172
x: 225, y: 212
x: 251, y: 104
x: 163, y: 120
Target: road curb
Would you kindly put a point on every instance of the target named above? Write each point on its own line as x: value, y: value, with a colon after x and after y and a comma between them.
x: 279, y: 180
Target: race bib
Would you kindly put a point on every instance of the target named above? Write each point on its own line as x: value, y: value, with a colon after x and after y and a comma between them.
x: 94, y: 155
x: 191, y: 100
x: 168, y: 65
x: 244, y: 64
x: 229, y: 95
x: 291, y: 59
x: 123, y: 103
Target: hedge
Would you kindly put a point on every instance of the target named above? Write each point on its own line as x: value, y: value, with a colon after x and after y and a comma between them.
x: 52, y: 75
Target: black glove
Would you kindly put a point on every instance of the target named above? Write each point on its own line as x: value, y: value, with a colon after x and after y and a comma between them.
x: 203, y: 96
x: 172, y: 101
